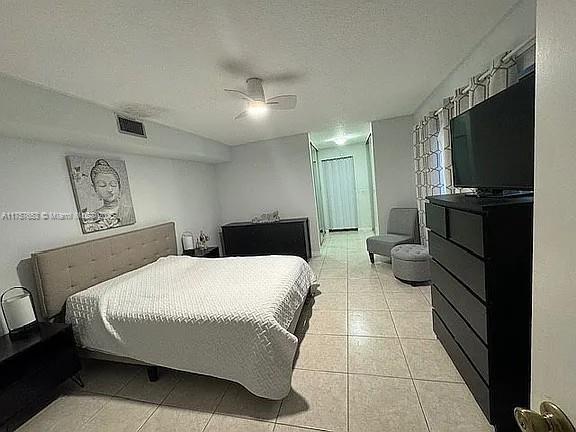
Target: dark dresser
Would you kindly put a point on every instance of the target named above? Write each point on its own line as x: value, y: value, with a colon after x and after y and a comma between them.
x: 286, y: 237
x: 481, y: 296
x: 208, y: 252
x: 31, y: 369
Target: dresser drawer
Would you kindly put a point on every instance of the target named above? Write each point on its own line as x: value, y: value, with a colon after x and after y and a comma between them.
x: 470, y: 343
x: 476, y: 384
x: 467, y: 229
x: 436, y: 219
x: 472, y: 309
x: 462, y: 264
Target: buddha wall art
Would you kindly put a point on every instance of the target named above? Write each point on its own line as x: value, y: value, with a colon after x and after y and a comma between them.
x: 102, y: 193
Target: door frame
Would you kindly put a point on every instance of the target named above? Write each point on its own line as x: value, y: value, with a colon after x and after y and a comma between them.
x: 318, y: 194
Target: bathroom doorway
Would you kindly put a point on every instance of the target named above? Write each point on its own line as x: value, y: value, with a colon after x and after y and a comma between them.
x: 340, y: 189
x: 343, y: 172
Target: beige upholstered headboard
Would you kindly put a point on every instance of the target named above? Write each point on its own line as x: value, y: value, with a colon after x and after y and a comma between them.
x: 64, y: 271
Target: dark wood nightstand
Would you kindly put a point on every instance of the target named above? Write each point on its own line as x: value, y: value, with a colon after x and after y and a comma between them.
x: 31, y: 369
x: 209, y: 252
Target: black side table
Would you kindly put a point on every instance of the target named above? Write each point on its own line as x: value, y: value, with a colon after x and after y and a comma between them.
x: 209, y: 252
x: 31, y: 369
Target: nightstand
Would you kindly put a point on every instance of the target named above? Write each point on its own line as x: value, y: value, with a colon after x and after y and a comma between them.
x: 31, y: 369
x: 209, y: 252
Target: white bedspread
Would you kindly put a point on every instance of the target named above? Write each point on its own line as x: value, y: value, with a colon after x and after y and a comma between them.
x: 224, y: 317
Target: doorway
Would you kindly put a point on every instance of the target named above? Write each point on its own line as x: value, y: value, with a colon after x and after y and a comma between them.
x: 343, y: 175
x: 340, y: 190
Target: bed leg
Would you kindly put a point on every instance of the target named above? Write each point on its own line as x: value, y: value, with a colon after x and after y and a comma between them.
x: 78, y: 380
x: 152, y: 373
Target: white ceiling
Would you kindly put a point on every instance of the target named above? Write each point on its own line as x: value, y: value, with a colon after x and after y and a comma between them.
x: 353, y: 133
x: 347, y: 60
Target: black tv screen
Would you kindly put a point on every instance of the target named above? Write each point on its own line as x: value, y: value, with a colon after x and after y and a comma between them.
x: 493, y: 142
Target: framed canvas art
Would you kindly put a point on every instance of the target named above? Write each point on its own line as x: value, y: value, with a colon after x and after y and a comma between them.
x: 102, y: 193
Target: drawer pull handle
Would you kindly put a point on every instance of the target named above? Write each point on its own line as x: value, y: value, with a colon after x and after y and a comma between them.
x: 549, y: 419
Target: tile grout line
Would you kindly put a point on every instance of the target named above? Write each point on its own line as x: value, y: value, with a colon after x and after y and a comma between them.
x: 308, y: 428
x: 240, y: 417
x: 421, y: 406
x: 95, y: 414
x: 386, y: 300
x: 160, y: 404
x: 412, y: 379
x: 216, y: 407
x: 378, y: 337
x: 278, y: 415
x: 332, y: 372
x: 347, y: 359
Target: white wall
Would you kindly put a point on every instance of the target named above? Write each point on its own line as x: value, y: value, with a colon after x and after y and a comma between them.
x: 269, y: 175
x: 554, y: 292
x: 513, y: 29
x: 361, y: 174
x: 394, y: 166
x: 32, y: 112
x: 34, y: 177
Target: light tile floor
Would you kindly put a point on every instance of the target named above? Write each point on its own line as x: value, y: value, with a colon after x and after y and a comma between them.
x: 368, y: 362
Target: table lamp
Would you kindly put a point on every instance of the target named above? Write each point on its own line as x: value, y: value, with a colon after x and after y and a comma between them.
x: 18, y: 311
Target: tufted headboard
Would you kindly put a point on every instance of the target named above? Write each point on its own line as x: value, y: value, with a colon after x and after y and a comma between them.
x: 66, y: 270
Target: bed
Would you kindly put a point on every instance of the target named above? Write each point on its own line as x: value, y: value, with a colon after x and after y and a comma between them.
x: 130, y: 298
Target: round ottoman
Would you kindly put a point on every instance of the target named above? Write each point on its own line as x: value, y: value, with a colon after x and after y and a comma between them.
x: 411, y: 263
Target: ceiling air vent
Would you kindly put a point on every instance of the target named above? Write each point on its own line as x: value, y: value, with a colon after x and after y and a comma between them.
x: 130, y: 127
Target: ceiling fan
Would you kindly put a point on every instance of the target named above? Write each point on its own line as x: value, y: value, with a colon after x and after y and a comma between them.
x: 256, y: 103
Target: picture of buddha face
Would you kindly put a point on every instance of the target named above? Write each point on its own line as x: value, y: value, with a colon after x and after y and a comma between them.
x: 102, y: 193
x: 106, y: 184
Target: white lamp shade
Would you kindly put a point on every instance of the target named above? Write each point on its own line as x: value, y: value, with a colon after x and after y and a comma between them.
x: 187, y: 241
x: 18, y: 311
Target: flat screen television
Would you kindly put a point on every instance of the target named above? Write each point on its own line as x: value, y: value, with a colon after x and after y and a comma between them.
x: 493, y: 142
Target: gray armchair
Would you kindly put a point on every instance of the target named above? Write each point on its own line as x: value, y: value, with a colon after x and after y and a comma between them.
x: 402, y: 228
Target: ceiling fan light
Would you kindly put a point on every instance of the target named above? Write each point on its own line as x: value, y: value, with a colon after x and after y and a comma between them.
x: 257, y: 109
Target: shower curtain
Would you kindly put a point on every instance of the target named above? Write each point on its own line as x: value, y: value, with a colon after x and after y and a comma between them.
x: 340, y: 186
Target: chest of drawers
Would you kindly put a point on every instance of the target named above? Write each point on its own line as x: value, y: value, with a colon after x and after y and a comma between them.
x: 481, y: 296
x: 286, y: 237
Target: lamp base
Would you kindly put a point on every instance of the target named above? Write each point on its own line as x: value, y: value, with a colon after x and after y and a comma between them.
x: 24, y: 331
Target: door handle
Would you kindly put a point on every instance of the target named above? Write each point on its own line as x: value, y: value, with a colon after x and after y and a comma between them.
x: 550, y: 419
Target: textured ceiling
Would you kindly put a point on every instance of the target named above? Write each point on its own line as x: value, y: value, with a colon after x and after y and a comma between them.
x: 353, y: 133
x: 347, y: 60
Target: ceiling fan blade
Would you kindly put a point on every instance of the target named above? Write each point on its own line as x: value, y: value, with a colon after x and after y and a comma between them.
x: 238, y: 93
x: 284, y: 102
x: 241, y: 115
